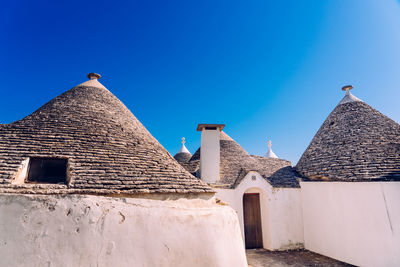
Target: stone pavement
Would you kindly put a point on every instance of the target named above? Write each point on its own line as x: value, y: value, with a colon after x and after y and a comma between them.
x: 297, y: 258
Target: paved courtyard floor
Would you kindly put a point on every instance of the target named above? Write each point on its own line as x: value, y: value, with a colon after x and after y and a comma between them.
x: 298, y: 258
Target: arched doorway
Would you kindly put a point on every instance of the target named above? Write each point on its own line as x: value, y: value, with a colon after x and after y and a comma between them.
x: 252, y: 220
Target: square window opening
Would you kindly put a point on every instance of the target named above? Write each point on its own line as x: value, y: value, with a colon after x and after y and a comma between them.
x: 47, y: 171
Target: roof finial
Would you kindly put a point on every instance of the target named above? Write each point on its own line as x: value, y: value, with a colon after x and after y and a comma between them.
x: 94, y: 76
x: 270, y: 153
x: 183, y: 147
x: 347, y: 88
x: 349, y: 97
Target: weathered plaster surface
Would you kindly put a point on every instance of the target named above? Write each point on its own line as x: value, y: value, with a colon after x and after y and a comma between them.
x: 358, y: 223
x: 281, y: 212
x: 73, y: 230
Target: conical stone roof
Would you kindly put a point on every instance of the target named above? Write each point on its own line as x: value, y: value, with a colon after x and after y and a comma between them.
x: 108, y: 150
x: 183, y: 155
x: 356, y: 142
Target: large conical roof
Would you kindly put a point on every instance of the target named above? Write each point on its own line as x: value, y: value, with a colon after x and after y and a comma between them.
x: 108, y: 150
x: 355, y: 142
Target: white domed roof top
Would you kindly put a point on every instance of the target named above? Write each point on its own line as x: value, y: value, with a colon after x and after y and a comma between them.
x: 183, y: 147
x: 349, y: 97
x: 93, y: 81
x: 270, y: 153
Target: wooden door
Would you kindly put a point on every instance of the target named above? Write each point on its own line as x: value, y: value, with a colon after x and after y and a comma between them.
x: 252, y: 220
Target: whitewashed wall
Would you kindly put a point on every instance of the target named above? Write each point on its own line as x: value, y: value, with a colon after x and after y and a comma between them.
x: 99, y: 231
x: 281, y: 213
x: 358, y: 223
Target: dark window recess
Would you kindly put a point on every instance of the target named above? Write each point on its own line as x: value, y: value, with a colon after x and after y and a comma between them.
x: 47, y: 170
x: 211, y: 128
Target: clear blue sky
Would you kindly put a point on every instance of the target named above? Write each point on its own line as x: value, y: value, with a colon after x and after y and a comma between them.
x: 267, y: 69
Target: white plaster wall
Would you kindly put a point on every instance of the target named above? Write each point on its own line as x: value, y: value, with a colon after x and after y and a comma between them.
x: 358, y: 223
x: 99, y: 231
x: 286, y: 219
x: 210, y: 155
x: 281, y: 212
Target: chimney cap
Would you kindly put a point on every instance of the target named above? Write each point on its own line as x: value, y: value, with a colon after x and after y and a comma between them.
x: 94, y: 76
x: 205, y: 126
x: 347, y: 87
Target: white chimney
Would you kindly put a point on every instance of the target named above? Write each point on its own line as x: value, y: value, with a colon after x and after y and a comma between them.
x: 210, y: 151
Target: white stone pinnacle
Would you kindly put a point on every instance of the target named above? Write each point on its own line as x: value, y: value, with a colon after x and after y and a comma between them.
x: 93, y: 81
x: 349, y: 97
x: 270, y: 153
x: 183, y: 148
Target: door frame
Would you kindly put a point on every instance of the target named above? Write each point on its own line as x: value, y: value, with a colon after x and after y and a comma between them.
x: 257, y: 217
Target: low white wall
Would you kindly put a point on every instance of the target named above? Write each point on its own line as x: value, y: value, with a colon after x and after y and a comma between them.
x: 358, y: 223
x: 281, y: 213
x: 99, y: 231
x: 286, y: 219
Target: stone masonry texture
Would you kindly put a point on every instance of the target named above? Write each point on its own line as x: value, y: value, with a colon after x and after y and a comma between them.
x: 108, y: 150
x: 355, y: 143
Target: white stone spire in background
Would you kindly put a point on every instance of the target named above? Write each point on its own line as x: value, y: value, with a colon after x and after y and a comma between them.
x: 270, y: 153
x: 183, y: 148
x: 349, y: 97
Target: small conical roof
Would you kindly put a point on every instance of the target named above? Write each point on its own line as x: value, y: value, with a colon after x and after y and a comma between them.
x: 270, y: 153
x: 355, y: 142
x: 183, y: 147
x: 183, y: 154
x: 108, y: 150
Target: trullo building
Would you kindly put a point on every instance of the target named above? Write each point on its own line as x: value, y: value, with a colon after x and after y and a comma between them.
x: 264, y: 191
x: 342, y: 199
x: 351, y: 186
x: 83, y: 183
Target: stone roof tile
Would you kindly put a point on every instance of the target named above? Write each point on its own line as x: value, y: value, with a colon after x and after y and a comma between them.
x: 356, y: 142
x: 107, y: 148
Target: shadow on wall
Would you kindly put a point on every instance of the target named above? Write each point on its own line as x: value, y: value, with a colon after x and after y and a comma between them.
x: 393, y: 176
x: 284, y: 177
